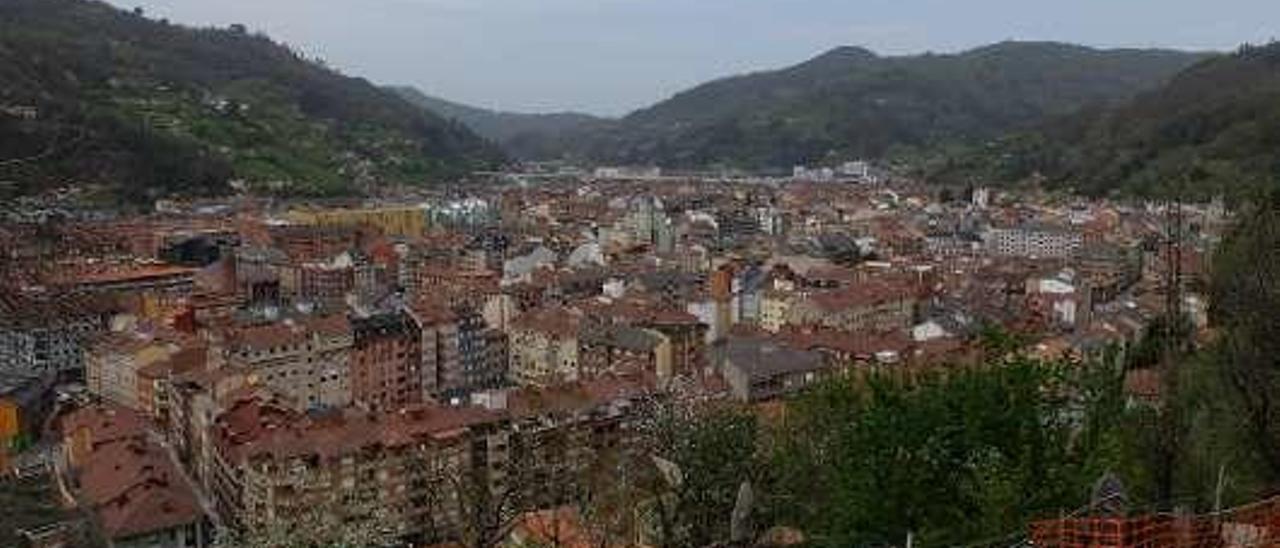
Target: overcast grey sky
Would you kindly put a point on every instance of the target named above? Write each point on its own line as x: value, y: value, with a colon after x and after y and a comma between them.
x: 612, y: 56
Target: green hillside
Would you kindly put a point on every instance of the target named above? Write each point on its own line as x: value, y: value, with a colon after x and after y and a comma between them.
x: 850, y: 102
x: 145, y: 108
x: 1214, y: 128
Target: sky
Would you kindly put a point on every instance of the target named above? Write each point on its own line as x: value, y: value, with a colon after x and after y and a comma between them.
x: 609, y: 57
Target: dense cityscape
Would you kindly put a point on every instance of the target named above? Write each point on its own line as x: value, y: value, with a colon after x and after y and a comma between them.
x: 1020, y: 295
x: 245, y: 359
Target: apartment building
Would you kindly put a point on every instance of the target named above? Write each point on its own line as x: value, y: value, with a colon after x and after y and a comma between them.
x: 308, y: 359
x: 544, y: 346
x: 868, y: 306
x: 406, y: 469
x: 1033, y: 240
x: 113, y: 361
x: 482, y: 351
x: 397, y: 221
x: 615, y: 349
x: 386, y: 361
x: 761, y: 369
x: 46, y: 333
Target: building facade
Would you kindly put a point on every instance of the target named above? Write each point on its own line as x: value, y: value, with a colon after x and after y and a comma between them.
x: 386, y: 361
x: 308, y: 359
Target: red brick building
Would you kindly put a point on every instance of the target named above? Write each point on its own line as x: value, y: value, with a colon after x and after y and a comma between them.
x: 385, y: 361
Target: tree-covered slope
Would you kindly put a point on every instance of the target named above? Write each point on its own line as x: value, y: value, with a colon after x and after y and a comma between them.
x: 850, y: 102
x: 520, y: 134
x: 145, y: 108
x: 1214, y: 128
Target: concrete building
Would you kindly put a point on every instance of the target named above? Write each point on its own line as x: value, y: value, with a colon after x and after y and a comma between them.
x: 870, y: 306
x: 618, y: 349
x: 326, y: 285
x: 46, y: 332
x: 113, y: 360
x: 441, y: 364
x: 461, y: 353
x: 397, y: 221
x: 414, y: 470
x: 406, y: 470
x: 544, y: 347
x: 1036, y: 241
x: 386, y: 361
x: 775, y: 307
x: 482, y: 352
x: 760, y: 369
x: 307, y: 359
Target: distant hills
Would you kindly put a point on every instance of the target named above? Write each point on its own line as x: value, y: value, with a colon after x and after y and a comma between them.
x: 93, y: 94
x: 522, y: 135
x: 1214, y: 128
x: 140, y: 108
x: 851, y: 103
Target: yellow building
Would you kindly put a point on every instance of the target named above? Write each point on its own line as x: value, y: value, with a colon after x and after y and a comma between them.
x: 394, y: 221
x: 774, y: 308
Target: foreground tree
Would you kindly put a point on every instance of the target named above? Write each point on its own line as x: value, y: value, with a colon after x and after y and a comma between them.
x: 946, y: 457
x: 1246, y: 296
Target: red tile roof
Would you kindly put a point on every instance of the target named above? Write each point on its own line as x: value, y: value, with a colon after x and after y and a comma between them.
x: 261, y: 337
x: 149, y: 506
x: 134, y: 488
x: 555, y: 320
x: 578, y: 396
x: 105, y: 422
x: 862, y: 294
x: 855, y: 344
x: 253, y: 428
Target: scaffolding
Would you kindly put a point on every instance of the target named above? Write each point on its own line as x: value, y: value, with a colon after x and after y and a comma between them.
x: 1252, y: 525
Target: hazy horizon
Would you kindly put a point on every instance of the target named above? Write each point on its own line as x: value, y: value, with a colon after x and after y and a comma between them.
x: 609, y: 57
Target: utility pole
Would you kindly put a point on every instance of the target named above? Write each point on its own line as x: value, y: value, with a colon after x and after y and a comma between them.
x: 1217, y: 491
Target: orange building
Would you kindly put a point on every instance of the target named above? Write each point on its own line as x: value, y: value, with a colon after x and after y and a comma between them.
x: 23, y: 406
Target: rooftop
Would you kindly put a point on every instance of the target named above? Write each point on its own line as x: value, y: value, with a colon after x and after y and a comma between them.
x: 760, y: 357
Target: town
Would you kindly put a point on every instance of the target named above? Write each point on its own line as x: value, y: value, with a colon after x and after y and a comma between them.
x: 453, y: 365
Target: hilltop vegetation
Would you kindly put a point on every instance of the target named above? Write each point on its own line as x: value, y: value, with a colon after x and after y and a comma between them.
x: 147, y: 108
x: 852, y: 103
x: 1214, y: 129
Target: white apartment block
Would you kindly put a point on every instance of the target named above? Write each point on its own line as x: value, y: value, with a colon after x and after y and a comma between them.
x: 1036, y: 242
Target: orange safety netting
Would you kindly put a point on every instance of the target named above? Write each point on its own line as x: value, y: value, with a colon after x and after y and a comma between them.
x: 1252, y: 525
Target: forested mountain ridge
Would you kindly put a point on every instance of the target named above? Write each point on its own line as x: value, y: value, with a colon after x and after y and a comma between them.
x: 850, y: 102
x: 93, y: 94
x: 1213, y: 129
x: 520, y: 134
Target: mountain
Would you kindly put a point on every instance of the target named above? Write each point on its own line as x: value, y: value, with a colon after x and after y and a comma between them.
x: 1213, y: 128
x: 850, y: 102
x: 142, y: 108
x: 521, y: 135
